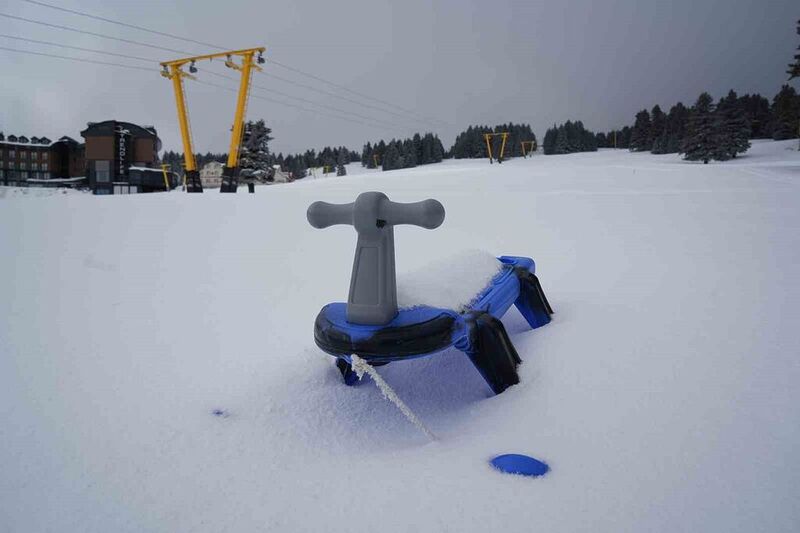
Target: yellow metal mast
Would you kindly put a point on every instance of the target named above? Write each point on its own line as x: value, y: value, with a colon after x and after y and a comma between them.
x: 191, y: 176
x: 173, y: 70
x: 531, y: 147
x: 488, y: 137
x: 166, y: 178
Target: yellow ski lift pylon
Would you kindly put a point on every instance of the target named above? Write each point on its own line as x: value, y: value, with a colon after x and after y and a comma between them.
x: 166, y: 177
x: 488, y: 138
x: 173, y: 70
x: 531, y: 147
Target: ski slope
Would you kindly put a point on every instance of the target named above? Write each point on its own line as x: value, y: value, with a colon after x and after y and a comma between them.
x: 664, y: 395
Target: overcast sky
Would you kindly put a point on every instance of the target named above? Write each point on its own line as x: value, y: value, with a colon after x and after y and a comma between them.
x: 453, y: 62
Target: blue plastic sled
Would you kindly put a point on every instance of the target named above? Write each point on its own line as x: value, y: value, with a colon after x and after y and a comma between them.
x: 421, y: 331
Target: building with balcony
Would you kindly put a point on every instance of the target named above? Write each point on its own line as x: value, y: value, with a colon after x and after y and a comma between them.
x: 39, y: 159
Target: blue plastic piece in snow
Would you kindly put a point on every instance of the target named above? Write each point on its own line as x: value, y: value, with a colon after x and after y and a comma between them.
x: 523, y: 465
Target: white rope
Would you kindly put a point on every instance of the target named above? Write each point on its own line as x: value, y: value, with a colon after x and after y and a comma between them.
x: 361, y: 367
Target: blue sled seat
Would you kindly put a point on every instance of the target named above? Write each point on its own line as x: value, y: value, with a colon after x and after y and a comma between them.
x: 477, y: 331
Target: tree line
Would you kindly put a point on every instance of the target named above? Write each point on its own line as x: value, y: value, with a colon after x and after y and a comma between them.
x: 710, y: 130
x: 256, y: 161
x: 406, y: 153
x: 568, y: 138
x: 471, y: 143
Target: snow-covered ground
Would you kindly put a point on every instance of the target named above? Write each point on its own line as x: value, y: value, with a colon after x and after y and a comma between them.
x: 664, y: 395
x: 37, y: 192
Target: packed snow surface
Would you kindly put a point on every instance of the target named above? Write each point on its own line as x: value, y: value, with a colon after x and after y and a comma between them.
x: 158, y: 371
x: 450, y: 282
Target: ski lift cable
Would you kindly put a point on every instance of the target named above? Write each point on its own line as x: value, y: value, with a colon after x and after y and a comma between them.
x: 151, y: 60
x: 265, y: 98
x: 339, y: 97
x: 92, y: 50
x: 79, y: 59
x: 300, y: 99
x: 94, y: 34
x: 146, y: 69
x: 201, y: 43
x: 139, y: 43
x: 120, y: 23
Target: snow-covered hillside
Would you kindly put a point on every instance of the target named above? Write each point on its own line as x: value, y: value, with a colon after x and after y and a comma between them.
x: 664, y: 395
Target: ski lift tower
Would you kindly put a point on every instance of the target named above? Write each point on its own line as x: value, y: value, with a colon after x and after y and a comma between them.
x: 173, y: 70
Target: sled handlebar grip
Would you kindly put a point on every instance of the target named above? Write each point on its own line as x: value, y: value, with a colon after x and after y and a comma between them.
x: 428, y: 214
x: 322, y: 214
x: 372, y: 209
x: 373, y: 284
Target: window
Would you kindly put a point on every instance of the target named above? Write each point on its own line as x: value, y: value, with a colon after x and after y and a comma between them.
x: 22, y: 165
x: 12, y: 154
x: 44, y: 167
x: 34, y: 166
x: 23, y: 154
x: 23, y: 174
x: 102, y: 171
x: 2, y: 173
x: 45, y: 156
x: 125, y: 189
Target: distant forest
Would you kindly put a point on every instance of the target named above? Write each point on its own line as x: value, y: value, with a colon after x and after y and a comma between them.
x: 395, y: 154
x: 256, y: 158
x: 706, y: 131
x: 710, y: 130
x: 471, y: 143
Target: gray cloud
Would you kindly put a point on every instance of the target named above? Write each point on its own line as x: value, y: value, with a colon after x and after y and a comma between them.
x: 460, y: 62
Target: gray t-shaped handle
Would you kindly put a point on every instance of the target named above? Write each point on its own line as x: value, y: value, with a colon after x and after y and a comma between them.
x: 373, y: 283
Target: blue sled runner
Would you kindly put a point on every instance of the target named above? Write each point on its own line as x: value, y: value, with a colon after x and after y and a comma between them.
x: 477, y: 331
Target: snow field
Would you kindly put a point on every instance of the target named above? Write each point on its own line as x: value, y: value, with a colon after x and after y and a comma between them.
x: 663, y: 395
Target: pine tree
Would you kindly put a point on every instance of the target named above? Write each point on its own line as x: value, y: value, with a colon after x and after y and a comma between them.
x: 700, y: 143
x: 366, y: 156
x: 759, y: 116
x: 254, y: 158
x: 661, y: 143
x: 785, y: 114
x: 549, y: 143
x: 675, y: 128
x: 794, y: 68
x: 658, y: 121
x: 640, y: 136
x: 298, y: 168
x: 601, y: 140
x: 735, y: 132
x: 624, y: 140
x: 438, y: 150
x: 562, y: 140
x: 342, y: 160
x: 390, y: 157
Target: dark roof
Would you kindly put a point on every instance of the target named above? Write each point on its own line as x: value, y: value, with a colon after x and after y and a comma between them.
x: 108, y: 127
